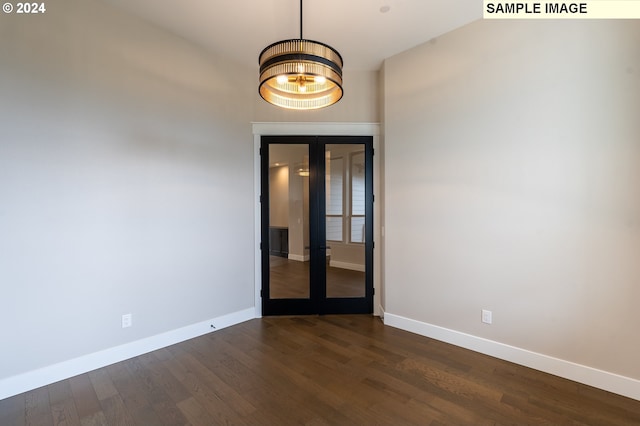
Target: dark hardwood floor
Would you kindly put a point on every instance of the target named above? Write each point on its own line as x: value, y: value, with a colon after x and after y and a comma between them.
x: 332, y: 370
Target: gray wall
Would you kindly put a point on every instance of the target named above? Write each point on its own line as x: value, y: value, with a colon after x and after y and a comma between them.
x: 512, y: 183
x: 126, y: 183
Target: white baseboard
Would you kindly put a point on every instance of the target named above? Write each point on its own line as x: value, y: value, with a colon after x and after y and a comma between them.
x: 44, y: 376
x: 299, y: 258
x: 611, y: 382
x: 346, y: 265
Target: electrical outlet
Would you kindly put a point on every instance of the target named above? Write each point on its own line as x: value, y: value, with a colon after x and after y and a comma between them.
x: 487, y: 316
x: 127, y: 321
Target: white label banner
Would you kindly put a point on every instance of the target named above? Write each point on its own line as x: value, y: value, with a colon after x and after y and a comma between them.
x: 586, y: 9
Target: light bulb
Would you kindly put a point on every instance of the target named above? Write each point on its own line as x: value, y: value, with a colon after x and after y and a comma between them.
x: 320, y: 79
x: 282, y: 79
x: 301, y: 68
x: 302, y: 88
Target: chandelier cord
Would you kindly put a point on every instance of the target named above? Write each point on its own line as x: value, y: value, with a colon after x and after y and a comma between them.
x: 300, y: 19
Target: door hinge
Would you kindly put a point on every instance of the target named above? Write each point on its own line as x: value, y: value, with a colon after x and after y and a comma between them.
x: 261, y: 293
x: 373, y: 244
x: 260, y: 198
x: 373, y: 198
x: 261, y: 246
x: 260, y: 151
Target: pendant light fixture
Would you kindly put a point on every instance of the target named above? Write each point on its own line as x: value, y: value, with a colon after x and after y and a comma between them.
x: 300, y: 74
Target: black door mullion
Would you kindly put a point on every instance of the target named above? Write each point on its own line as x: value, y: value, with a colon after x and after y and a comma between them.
x: 317, y: 223
x: 369, y: 243
x: 264, y: 221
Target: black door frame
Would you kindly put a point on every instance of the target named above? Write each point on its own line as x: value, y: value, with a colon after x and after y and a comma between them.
x: 317, y: 303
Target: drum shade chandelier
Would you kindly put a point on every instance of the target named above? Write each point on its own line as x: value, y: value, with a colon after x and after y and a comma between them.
x: 300, y: 74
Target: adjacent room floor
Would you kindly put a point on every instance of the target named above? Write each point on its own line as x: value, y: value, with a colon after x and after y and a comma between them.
x: 290, y: 280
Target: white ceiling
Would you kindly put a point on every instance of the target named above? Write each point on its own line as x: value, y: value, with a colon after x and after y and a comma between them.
x: 363, y: 35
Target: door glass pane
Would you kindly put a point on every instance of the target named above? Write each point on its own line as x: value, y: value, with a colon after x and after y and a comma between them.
x: 346, y: 259
x: 357, y: 183
x: 334, y: 185
x: 357, y: 229
x: 289, y: 221
x: 357, y: 197
x: 334, y: 228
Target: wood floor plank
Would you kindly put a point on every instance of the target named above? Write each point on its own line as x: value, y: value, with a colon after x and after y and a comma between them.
x: 133, y: 395
x: 317, y: 371
x: 102, y: 384
x: 329, y: 404
x: 38, y: 408
x: 320, y: 368
x: 195, y: 413
x: 278, y: 381
x: 162, y: 390
x: 170, y: 413
x: 96, y: 419
x: 116, y: 412
x: 271, y: 393
x: 12, y: 410
x: 86, y: 400
x: 63, y: 407
x: 221, y: 389
x: 140, y: 368
x: 129, y: 389
x: 198, y: 381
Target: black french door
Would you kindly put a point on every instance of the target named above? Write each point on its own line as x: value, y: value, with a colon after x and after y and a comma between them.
x: 317, y: 224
